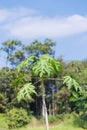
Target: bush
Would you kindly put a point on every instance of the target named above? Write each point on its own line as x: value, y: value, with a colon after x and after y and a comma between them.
x: 83, y: 120
x: 52, y: 119
x: 17, y: 118
x: 3, y: 101
x: 56, y: 118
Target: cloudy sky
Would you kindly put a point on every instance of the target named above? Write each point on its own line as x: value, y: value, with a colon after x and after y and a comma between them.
x: 63, y: 21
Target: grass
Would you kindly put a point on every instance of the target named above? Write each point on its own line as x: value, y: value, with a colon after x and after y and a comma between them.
x: 2, y: 122
x: 69, y: 123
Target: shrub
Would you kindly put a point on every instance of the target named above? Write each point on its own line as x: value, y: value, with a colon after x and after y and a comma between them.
x: 3, y: 101
x: 52, y: 119
x: 83, y: 120
x: 56, y: 118
x: 17, y: 118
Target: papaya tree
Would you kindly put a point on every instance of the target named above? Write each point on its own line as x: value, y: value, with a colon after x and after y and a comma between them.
x: 44, y: 67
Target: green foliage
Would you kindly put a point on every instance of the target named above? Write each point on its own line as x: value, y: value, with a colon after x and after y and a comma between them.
x: 52, y: 119
x: 42, y: 67
x: 62, y: 99
x: 10, y: 45
x: 46, y: 66
x: 7, y: 93
x: 70, y: 82
x: 37, y: 48
x: 26, y: 63
x: 56, y: 65
x: 65, y: 122
x: 17, y: 57
x: 77, y: 70
x: 83, y: 120
x: 81, y: 104
x: 74, y: 86
x: 3, y: 102
x: 77, y: 93
x: 3, y: 122
x: 65, y: 99
x: 17, y: 118
x: 26, y: 92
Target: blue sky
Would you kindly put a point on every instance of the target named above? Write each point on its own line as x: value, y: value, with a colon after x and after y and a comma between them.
x: 64, y: 21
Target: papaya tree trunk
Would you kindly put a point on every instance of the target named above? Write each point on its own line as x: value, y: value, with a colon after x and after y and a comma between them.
x: 44, y: 108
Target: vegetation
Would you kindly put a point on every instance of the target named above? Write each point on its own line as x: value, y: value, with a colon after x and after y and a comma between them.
x: 17, y: 118
x: 36, y: 83
x: 68, y: 122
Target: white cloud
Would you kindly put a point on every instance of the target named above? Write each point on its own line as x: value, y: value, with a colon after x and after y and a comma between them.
x: 21, y: 23
x: 15, y: 13
x: 3, y: 15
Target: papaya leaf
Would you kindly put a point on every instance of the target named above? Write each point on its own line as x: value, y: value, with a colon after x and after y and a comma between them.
x: 25, y: 63
x: 26, y: 92
x: 71, y: 83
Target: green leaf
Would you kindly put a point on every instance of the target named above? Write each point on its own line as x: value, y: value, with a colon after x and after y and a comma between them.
x: 25, y: 63
x: 71, y: 83
x: 42, y: 67
x: 75, y: 94
x: 26, y: 92
x: 45, y: 66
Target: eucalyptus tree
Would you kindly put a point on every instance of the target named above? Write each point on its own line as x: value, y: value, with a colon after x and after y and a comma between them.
x: 10, y: 47
x: 43, y: 68
x: 18, y: 57
x: 38, y: 48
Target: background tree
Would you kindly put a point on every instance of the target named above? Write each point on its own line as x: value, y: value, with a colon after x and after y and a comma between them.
x: 38, y: 48
x: 11, y: 48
